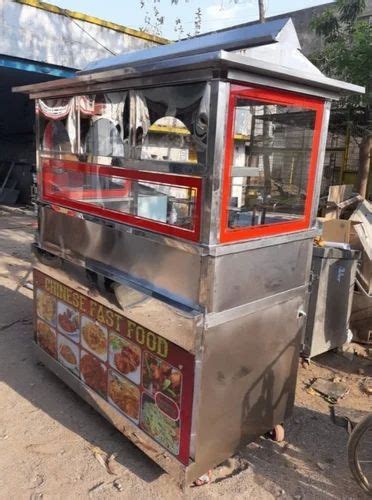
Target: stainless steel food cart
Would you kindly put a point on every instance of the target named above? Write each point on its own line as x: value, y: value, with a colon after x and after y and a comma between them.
x: 178, y: 188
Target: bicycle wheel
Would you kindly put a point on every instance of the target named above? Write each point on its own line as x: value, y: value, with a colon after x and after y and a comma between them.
x: 359, y: 450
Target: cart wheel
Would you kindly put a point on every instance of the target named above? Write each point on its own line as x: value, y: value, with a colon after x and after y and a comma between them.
x: 48, y: 259
x: 277, y: 434
x: 204, y: 479
x: 305, y: 363
x: 359, y: 453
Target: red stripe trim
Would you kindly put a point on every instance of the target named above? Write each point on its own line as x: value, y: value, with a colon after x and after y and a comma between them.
x: 160, y: 178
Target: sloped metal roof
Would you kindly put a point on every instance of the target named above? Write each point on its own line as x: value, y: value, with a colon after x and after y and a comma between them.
x: 269, y: 50
x: 233, y: 39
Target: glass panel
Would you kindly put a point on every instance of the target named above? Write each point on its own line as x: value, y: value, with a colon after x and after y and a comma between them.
x: 271, y: 160
x: 168, y: 124
x: 104, y: 126
x: 57, y: 125
x: 172, y: 123
x: 157, y: 201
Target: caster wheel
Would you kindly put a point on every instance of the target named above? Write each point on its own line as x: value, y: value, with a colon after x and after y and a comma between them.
x: 49, y: 260
x: 277, y: 434
x: 204, y: 479
x: 305, y: 363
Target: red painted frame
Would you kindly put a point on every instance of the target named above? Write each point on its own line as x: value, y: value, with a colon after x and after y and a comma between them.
x: 133, y: 220
x: 270, y: 96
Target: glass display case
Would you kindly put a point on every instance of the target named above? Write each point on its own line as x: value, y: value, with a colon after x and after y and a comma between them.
x: 121, y: 155
x: 271, y: 156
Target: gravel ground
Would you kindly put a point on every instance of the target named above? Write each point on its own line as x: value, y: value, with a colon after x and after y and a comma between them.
x: 50, y: 439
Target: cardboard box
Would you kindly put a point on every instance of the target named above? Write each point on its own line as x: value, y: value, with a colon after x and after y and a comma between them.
x: 339, y: 231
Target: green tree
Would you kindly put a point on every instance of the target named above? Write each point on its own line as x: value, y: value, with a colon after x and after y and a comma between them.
x: 346, y: 54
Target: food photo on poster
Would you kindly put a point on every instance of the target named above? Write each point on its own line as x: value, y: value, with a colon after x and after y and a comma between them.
x: 94, y: 337
x: 68, y: 354
x: 124, y: 395
x: 162, y: 428
x: 46, y: 306
x: 125, y: 357
x: 68, y: 321
x: 93, y: 372
x: 46, y: 337
x: 158, y: 375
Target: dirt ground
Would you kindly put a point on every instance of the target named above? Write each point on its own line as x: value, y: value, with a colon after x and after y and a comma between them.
x: 50, y: 439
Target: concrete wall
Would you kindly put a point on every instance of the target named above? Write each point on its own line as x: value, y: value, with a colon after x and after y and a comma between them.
x: 49, y: 36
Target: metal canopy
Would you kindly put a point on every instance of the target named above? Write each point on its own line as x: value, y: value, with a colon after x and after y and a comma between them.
x: 268, y: 51
x: 232, y: 39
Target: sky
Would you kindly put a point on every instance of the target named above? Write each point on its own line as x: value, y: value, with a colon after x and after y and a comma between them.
x: 216, y: 14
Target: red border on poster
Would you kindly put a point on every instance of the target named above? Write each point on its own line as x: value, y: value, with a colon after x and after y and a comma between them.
x: 150, y: 343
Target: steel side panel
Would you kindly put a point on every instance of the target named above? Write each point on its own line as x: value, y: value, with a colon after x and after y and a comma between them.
x: 180, y: 327
x: 248, y: 379
x: 165, y: 269
x: 244, y: 277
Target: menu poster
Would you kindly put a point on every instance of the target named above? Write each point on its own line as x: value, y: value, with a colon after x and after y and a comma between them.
x: 143, y: 375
